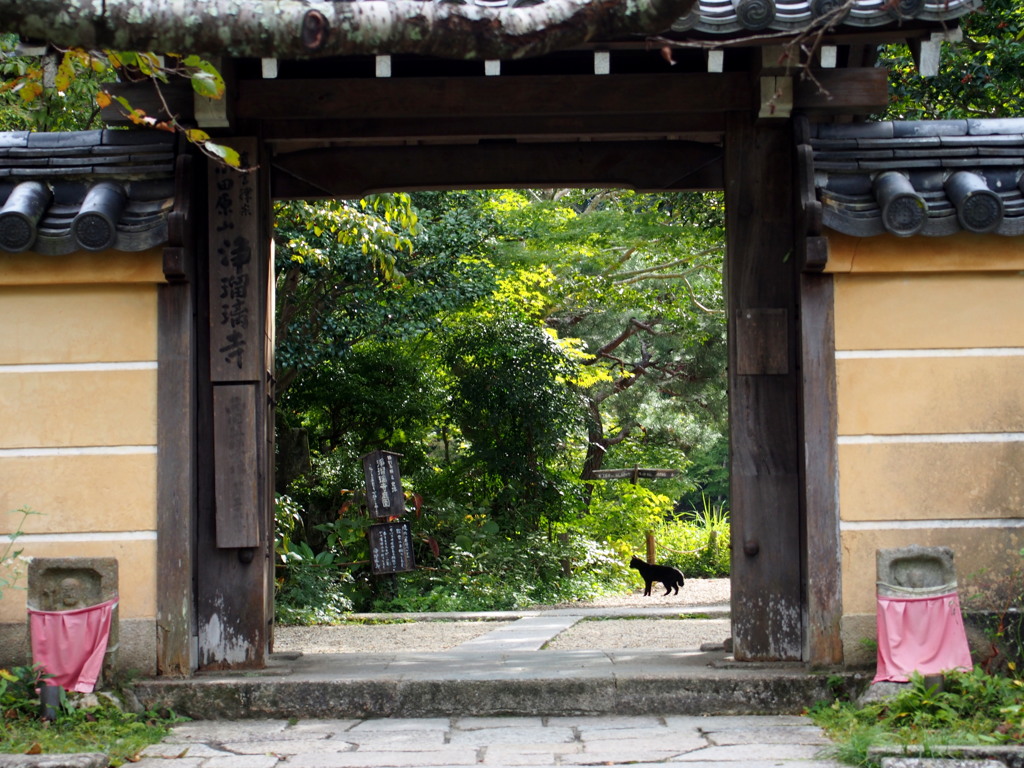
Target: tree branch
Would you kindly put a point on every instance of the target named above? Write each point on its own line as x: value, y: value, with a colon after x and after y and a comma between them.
x: 634, y: 327
x: 296, y: 29
x: 666, y: 265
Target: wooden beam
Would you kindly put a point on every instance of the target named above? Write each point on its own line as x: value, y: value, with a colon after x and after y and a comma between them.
x: 705, y: 126
x: 821, y: 470
x: 859, y: 91
x: 461, y: 98
x: 354, y: 172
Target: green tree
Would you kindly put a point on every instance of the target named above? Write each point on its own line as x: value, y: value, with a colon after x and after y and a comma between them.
x: 362, y: 289
x: 513, y: 400
x: 349, y: 271
x: 979, y: 76
x: 637, y: 280
x: 55, y: 92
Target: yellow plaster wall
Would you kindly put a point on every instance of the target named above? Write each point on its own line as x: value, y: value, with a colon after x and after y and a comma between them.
x: 930, y: 311
x: 930, y: 360
x: 962, y: 252
x: 91, y: 319
x: 80, y: 493
x: 136, y: 565
x: 931, y: 481
x: 82, y: 268
x: 930, y: 395
x: 78, y: 408
x: 78, y: 378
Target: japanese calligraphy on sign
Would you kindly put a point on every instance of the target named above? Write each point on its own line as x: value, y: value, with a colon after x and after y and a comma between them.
x: 384, y: 494
x: 236, y: 484
x: 235, y: 276
x: 391, y: 548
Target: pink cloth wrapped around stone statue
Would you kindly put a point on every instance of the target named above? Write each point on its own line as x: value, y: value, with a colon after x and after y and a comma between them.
x: 70, y: 645
x: 920, y: 634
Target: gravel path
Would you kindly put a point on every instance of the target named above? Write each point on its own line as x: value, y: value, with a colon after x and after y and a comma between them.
x: 696, y: 592
x: 426, y: 634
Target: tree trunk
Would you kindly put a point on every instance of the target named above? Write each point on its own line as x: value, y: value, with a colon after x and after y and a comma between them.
x: 293, y: 29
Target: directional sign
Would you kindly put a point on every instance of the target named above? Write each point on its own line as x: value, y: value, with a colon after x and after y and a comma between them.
x: 634, y: 474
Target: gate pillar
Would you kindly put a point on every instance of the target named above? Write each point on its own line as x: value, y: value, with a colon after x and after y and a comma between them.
x: 235, y: 529
x: 764, y: 435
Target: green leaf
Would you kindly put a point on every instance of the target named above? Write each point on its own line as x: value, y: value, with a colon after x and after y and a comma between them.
x: 227, y: 154
x: 206, y: 79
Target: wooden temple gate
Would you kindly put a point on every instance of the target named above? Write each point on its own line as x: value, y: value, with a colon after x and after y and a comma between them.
x: 614, y: 114
x: 616, y: 117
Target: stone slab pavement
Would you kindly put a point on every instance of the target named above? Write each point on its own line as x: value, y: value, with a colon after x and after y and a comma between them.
x: 505, y: 672
x: 786, y: 741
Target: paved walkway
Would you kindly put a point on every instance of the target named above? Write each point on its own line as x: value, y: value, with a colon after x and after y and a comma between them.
x: 693, y: 742
x: 428, y: 710
x: 504, y: 672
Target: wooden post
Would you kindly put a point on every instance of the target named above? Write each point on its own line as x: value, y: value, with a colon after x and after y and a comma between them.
x: 821, y: 470
x: 176, y: 435
x: 651, y: 548
x: 563, y: 538
x: 235, y: 534
x: 176, y: 505
x: 760, y: 279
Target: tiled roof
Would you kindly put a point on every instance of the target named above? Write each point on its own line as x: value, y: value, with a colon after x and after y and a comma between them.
x: 92, y: 190
x: 729, y: 17
x: 907, y: 178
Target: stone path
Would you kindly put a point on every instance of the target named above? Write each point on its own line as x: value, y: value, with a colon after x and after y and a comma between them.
x: 693, y: 742
x: 526, y: 634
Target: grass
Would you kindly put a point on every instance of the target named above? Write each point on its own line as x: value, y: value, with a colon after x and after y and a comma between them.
x: 971, y: 708
x: 103, y: 727
x: 120, y: 735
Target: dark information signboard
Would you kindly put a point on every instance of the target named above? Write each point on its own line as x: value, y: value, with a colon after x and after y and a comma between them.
x: 391, y: 548
x: 384, y: 494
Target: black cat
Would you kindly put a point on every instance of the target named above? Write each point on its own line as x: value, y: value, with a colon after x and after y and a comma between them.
x: 666, y: 574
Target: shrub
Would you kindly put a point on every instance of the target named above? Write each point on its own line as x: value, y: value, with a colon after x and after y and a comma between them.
x: 971, y: 707
x: 102, y: 727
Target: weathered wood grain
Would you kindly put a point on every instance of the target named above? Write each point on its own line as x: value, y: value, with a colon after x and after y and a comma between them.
x: 821, y: 470
x: 356, y: 171
x: 763, y: 404
x: 175, y: 479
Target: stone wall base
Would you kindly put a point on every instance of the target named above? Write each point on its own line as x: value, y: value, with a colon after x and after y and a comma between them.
x: 136, y: 653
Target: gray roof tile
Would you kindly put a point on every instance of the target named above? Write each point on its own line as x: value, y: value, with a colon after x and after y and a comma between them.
x: 847, y: 159
x: 131, y: 172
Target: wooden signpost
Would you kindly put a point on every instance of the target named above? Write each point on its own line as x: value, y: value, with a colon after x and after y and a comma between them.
x: 390, y: 542
x: 633, y: 475
x: 384, y: 494
x: 391, y: 548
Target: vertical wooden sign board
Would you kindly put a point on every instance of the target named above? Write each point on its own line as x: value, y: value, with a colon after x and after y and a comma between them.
x: 236, y: 328
x: 234, y: 455
x: 384, y: 494
x: 237, y: 344
x: 391, y: 548
x: 390, y: 543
